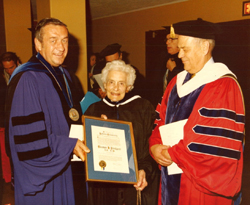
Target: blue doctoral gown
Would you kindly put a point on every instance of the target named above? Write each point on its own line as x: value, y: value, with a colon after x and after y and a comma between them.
x: 38, y: 131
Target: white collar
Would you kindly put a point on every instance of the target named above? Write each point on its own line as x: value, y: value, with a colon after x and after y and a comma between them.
x: 209, y: 73
x: 113, y: 104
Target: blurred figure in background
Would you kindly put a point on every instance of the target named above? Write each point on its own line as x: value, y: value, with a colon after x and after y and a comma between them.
x: 174, y: 64
x: 92, y: 60
x: 8, y: 63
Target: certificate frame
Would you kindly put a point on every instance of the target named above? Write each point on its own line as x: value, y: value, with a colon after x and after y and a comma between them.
x: 103, y: 137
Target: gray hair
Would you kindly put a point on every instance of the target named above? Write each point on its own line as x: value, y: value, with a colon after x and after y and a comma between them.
x: 119, y: 65
x: 44, y: 22
x: 210, y: 41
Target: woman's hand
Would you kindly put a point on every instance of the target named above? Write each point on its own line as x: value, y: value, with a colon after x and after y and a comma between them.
x: 142, y: 182
x: 104, y: 117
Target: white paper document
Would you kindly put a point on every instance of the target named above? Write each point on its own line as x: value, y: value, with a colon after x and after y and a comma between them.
x: 99, y: 81
x: 109, y: 149
x: 76, y: 131
x: 171, y: 134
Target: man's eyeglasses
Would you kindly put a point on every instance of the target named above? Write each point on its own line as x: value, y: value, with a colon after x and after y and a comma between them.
x: 170, y: 39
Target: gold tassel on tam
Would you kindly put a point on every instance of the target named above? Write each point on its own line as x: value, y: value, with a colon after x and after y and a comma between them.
x: 172, y: 33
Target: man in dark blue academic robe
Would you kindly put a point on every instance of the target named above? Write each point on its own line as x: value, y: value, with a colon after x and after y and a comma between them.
x: 40, y: 109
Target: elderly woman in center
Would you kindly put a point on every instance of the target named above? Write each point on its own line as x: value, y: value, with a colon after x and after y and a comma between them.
x: 121, y: 104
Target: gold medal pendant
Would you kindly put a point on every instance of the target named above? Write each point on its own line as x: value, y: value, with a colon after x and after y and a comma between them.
x: 73, y: 114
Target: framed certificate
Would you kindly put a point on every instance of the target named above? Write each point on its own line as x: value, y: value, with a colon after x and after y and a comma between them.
x: 113, y: 156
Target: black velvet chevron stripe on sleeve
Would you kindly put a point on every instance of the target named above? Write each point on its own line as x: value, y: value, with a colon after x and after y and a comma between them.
x: 24, y: 120
x: 23, y: 139
x: 33, y: 154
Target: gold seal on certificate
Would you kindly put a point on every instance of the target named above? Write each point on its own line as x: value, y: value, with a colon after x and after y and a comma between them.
x: 102, y: 164
x: 73, y: 114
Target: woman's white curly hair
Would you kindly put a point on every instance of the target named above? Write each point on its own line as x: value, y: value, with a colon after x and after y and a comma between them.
x: 119, y: 65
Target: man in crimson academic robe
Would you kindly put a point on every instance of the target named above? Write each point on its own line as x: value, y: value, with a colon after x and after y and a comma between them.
x: 206, y: 103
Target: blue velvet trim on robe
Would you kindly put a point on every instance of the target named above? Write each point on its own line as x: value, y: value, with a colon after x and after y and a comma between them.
x: 177, y: 109
x: 219, y: 132
x: 213, y: 150
x: 222, y: 113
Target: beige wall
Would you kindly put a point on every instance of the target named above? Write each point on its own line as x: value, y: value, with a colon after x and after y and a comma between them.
x: 17, y: 21
x: 43, y: 9
x: 73, y: 15
x: 129, y: 29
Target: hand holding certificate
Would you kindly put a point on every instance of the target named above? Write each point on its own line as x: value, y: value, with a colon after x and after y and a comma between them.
x: 171, y: 134
x: 76, y: 131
